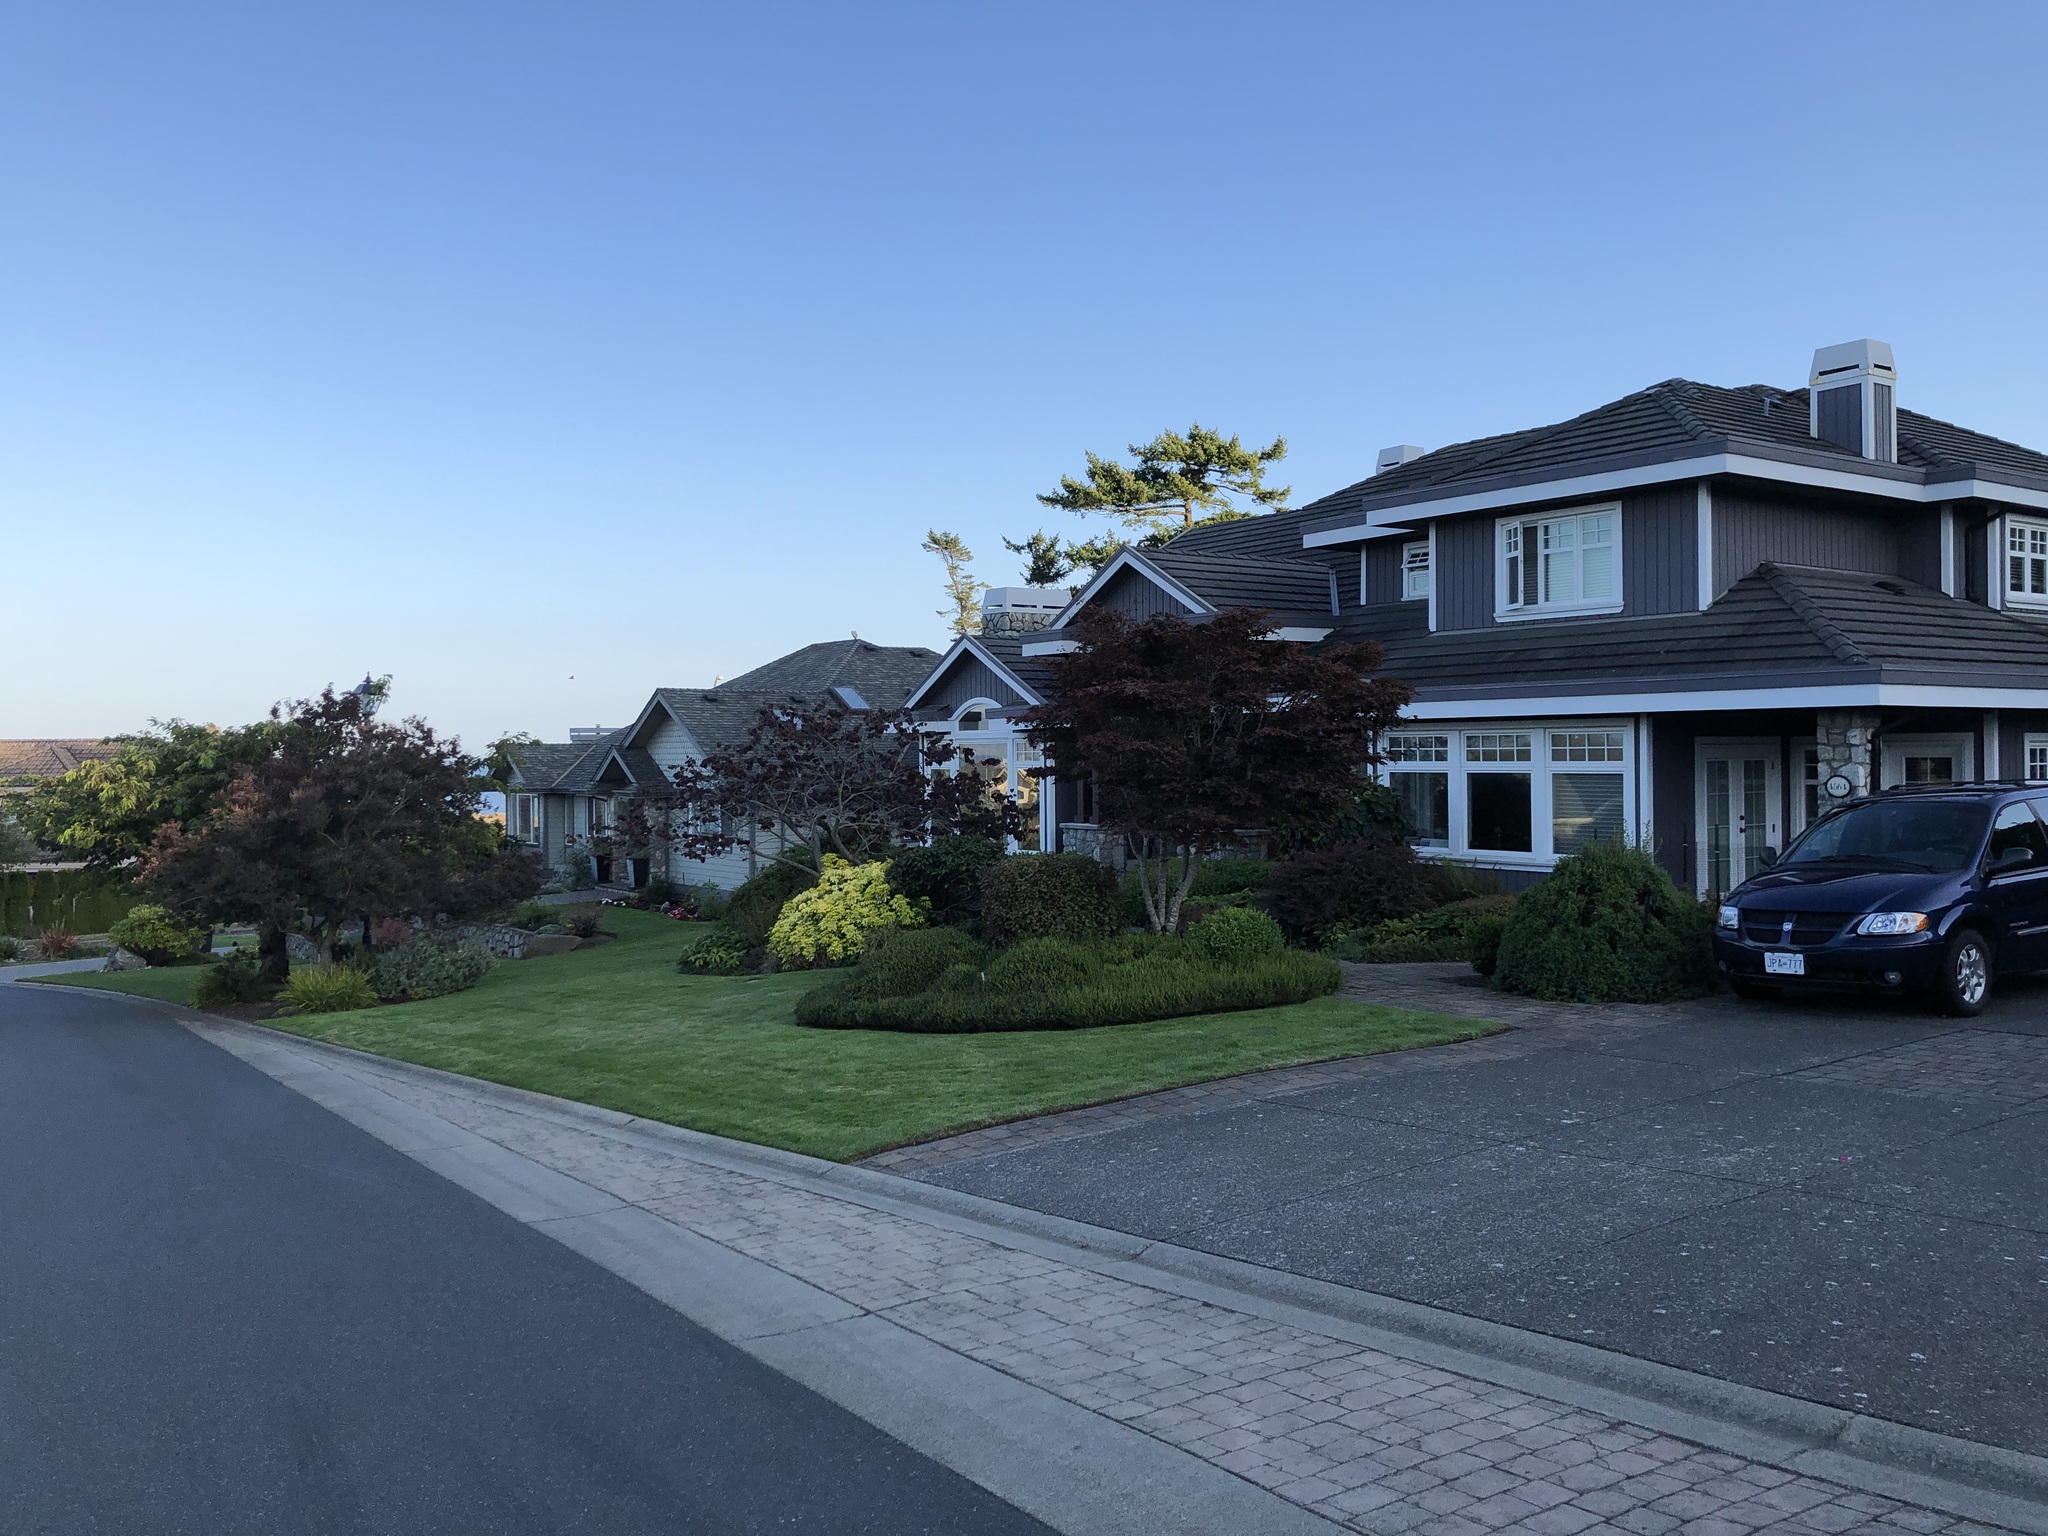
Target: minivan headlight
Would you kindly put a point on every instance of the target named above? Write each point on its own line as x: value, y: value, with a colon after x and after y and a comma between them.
x: 1728, y: 917
x: 1893, y: 922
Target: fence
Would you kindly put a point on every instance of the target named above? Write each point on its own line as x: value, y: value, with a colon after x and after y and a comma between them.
x: 85, y: 901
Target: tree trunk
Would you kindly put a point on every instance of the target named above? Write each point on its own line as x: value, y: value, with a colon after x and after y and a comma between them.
x: 272, y: 951
x: 1190, y: 861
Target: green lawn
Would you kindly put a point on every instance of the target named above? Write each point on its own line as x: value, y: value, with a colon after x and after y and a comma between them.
x: 173, y: 983
x: 618, y: 1026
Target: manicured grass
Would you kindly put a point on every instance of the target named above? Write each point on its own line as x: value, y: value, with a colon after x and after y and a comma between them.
x: 173, y: 983
x: 617, y: 1026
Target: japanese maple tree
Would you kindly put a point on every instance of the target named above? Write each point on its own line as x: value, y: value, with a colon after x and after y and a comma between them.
x: 1197, y: 733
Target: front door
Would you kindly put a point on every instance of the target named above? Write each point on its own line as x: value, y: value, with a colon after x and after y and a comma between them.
x: 1740, y: 810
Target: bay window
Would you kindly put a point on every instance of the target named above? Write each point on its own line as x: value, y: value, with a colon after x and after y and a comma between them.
x: 1563, y: 564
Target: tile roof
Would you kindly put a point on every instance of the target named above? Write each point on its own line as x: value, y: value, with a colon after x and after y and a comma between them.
x: 1229, y: 580
x: 1675, y: 419
x: 1779, y: 626
x: 50, y: 757
x: 1009, y: 650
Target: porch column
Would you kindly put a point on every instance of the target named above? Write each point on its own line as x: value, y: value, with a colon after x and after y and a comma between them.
x: 1844, y: 738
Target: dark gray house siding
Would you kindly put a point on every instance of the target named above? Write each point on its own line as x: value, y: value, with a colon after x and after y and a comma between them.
x: 968, y: 678
x: 1129, y: 593
x: 1975, y: 584
x: 1751, y: 527
x: 1464, y: 574
x: 1660, y: 550
x: 1920, y: 548
x: 1382, y: 563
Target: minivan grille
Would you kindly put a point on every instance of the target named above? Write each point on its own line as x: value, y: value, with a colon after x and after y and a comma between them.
x: 1760, y: 926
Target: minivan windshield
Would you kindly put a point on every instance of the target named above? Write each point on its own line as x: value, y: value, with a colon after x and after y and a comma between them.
x: 1940, y: 836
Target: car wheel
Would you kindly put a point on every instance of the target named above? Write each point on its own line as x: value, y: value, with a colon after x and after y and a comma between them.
x: 1755, y: 991
x: 1965, y: 982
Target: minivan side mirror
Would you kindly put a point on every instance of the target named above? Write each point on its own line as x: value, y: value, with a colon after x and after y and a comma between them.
x: 2012, y: 858
x: 1767, y: 855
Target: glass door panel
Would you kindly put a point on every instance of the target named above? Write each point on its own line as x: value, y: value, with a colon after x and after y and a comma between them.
x: 1739, y: 813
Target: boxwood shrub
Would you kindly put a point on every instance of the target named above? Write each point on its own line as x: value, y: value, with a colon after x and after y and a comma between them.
x: 1054, y: 983
x: 1236, y: 936
x: 1606, y: 926
x: 1064, y: 895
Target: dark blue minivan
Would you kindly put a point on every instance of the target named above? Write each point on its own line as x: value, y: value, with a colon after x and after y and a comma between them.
x: 1929, y: 889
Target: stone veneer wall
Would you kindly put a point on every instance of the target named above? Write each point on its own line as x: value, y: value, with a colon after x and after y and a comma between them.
x: 1845, y: 738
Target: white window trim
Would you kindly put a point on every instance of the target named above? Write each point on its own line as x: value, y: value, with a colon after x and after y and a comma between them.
x: 1540, y: 769
x: 1503, y: 614
x: 1427, y: 571
x: 2030, y: 743
x: 2006, y: 525
x: 1894, y: 750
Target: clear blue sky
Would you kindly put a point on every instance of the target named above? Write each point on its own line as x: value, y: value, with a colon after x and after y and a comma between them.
x: 542, y: 355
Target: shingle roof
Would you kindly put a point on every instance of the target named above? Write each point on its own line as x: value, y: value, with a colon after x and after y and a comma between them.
x: 885, y: 675
x: 1243, y: 581
x: 564, y: 767
x: 50, y: 757
x: 1677, y: 417
x: 1779, y: 626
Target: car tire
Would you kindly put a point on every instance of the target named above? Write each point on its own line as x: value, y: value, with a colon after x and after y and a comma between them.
x: 1964, y: 985
x: 1755, y: 991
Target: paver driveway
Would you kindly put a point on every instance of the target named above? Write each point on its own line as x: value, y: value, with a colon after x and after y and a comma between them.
x: 1843, y: 1201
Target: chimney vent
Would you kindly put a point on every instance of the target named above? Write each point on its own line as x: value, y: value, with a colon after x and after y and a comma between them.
x: 1396, y: 456
x: 1021, y: 610
x: 1852, y: 399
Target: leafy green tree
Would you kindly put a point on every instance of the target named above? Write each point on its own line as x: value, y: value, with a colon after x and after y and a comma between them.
x: 107, y: 811
x: 1046, y: 563
x: 499, y: 757
x: 1176, y: 477
x: 963, y: 592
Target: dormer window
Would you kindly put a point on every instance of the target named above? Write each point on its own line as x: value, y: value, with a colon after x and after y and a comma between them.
x: 1415, y: 571
x: 2026, y: 563
x: 1559, y: 565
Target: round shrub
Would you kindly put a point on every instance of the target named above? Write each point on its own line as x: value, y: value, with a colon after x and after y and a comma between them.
x: 1236, y: 936
x: 900, y: 961
x: 829, y: 924
x: 1062, y: 895
x: 432, y: 965
x: 153, y: 933
x: 718, y: 953
x: 327, y: 989
x: 1044, y: 964
x: 1482, y: 941
x: 756, y: 903
x: 1606, y: 926
x: 236, y: 978
x: 10, y: 949
x: 947, y: 873
x: 1350, y: 885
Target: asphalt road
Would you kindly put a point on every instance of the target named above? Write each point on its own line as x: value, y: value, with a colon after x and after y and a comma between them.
x: 223, y: 1309
x: 1848, y: 1205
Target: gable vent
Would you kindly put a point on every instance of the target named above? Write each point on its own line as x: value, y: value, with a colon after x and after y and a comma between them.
x: 1852, y: 399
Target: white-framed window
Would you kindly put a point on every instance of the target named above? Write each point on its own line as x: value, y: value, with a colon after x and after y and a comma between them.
x: 600, y: 816
x: 522, y: 818
x: 1925, y: 760
x: 1569, y: 563
x: 2036, y: 748
x: 1418, y: 770
x: 1415, y: 571
x: 1587, y: 804
x: 2026, y: 562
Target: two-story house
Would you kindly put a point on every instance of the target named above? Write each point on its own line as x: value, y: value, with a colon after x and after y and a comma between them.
x: 1691, y: 617
x: 566, y: 798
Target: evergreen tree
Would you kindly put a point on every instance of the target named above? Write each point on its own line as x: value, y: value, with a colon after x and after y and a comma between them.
x: 963, y: 592
x: 1174, y: 476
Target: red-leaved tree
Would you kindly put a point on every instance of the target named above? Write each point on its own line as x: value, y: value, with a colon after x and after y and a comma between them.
x: 804, y: 782
x: 346, y: 817
x: 1196, y: 733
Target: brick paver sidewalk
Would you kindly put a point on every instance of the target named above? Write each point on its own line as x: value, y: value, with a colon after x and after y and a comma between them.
x: 1363, y: 1438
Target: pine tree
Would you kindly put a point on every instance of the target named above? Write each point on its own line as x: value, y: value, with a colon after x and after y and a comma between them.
x: 963, y: 592
x: 1175, y: 475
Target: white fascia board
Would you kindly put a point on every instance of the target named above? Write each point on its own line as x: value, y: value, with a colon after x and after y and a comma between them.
x: 971, y: 646
x: 1298, y: 632
x: 1386, y: 531
x: 1124, y: 559
x: 654, y: 702
x: 952, y: 653
x: 1678, y: 701
x: 1051, y: 647
x: 1606, y: 483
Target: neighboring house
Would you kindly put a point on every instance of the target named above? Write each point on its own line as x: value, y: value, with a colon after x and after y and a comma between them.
x: 24, y: 764
x: 1692, y: 617
x: 561, y: 795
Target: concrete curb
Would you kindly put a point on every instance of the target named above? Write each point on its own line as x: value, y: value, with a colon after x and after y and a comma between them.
x: 1975, y: 1481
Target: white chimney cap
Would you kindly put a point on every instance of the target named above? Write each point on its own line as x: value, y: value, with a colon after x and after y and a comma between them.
x: 1396, y: 456
x: 1854, y: 357
x: 1027, y: 599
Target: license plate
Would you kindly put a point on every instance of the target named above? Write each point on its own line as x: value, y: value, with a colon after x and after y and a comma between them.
x: 1779, y: 963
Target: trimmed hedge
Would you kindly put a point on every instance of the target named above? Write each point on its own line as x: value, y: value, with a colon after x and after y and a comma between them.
x: 1061, y: 895
x: 1606, y: 926
x: 1054, y: 983
x: 1443, y: 933
x: 1236, y: 936
x: 83, y: 900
